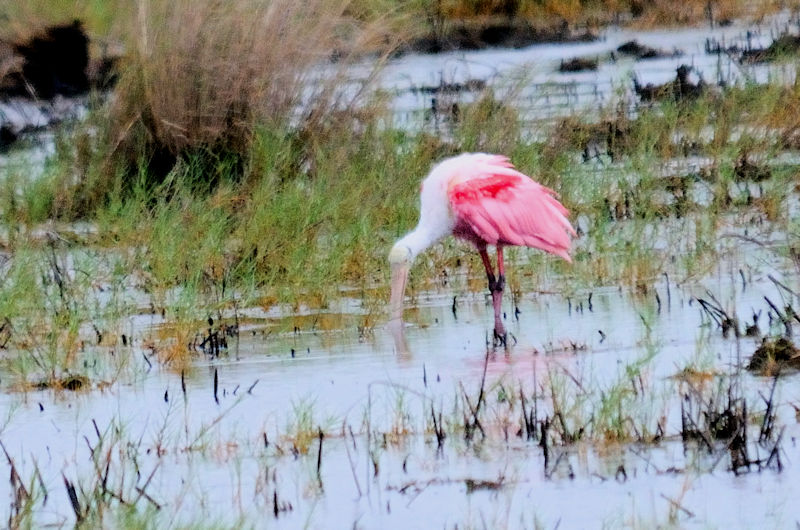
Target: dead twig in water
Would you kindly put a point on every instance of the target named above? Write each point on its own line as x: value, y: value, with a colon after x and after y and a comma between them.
x: 491, y: 485
x: 714, y: 310
x: 73, y: 499
x: 319, y: 457
x: 775, y: 453
x: 528, y: 418
x: 438, y: 429
x: 469, y: 427
x: 143, y: 489
x: 787, y: 323
x: 20, y: 493
x: 783, y: 286
x: 216, y: 385
x: 213, y: 423
x: 769, y: 415
x: 677, y: 505
x: 350, y: 460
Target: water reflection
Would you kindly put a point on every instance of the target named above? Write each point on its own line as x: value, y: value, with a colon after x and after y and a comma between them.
x: 396, y: 328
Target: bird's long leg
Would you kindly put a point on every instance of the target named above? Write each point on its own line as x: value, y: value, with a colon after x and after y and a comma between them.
x: 501, y: 268
x: 487, y: 263
x: 497, y: 298
x: 496, y: 286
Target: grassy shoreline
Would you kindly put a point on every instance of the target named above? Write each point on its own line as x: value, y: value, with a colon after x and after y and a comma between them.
x: 262, y: 204
x: 302, y: 221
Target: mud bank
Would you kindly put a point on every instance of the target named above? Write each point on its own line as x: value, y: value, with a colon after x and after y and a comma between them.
x: 45, y: 79
x: 503, y: 33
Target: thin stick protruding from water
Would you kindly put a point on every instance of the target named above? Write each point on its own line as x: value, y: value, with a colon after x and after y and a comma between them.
x: 216, y: 385
x: 73, y: 498
x: 319, y: 457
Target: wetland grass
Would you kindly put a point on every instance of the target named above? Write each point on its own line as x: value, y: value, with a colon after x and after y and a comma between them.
x: 301, y: 216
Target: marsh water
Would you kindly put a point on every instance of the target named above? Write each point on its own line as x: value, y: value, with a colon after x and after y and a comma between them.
x: 530, y: 76
x: 235, y: 436
x: 239, y: 452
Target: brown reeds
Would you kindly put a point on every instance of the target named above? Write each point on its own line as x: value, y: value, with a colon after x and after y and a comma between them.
x: 644, y: 13
x: 203, y: 76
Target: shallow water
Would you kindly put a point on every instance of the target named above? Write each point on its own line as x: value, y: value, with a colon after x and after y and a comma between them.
x: 211, y: 461
x: 530, y: 78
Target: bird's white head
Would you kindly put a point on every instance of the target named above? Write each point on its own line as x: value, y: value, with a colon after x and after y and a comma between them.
x: 399, y: 254
x: 402, y: 256
x: 435, y: 221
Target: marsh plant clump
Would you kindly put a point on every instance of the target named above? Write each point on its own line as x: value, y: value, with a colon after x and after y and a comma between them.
x: 775, y: 355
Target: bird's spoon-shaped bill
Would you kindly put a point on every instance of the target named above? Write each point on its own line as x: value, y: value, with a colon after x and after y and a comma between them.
x: 399, y: 278
x: 396, y: 325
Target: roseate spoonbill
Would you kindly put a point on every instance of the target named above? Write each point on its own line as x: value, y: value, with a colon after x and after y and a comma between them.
x: 482, y: 199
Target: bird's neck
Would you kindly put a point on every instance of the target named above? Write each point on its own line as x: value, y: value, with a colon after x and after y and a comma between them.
x: 418, y: 240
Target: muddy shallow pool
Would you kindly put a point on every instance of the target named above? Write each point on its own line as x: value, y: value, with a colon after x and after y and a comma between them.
x: 246, y: 449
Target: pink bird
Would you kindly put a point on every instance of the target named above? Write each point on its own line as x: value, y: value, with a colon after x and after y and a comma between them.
x: 482, y: 199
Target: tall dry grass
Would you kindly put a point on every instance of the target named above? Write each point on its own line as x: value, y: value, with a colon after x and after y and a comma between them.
x: 203, y: 75
x: 644, y: 12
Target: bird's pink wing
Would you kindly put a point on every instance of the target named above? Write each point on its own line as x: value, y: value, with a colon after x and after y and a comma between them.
x: 503, y: 206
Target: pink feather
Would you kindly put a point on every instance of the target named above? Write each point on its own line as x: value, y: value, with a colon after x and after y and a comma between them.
x: 495, y: 204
